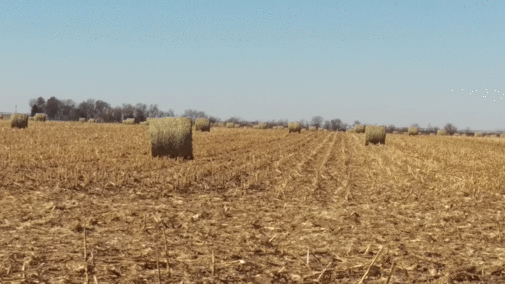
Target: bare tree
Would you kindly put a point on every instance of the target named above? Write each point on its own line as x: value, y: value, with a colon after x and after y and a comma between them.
x: 52, y: 107
x: 140, y: 112
x: 127, y: 110
x: 317, y: 121
x: 451, y: 129
x: 193, y: 114
x: 356, y: 122
x: 153, y: 111
x: 87, y: 109
x: 390, y: 128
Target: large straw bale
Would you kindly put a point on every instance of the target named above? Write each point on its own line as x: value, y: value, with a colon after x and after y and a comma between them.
x: 479, y: 134
x: 396, y: 132
x: 294, y: 127
x: 40, y: 117
x: 442, y: 132
x: 19, y: 120
x: 236, y: 125
x: 359, y: 128
x: 202, y: 124
x: 375, y: 134
x: 92, y: 120
x: 171, y: 137
x: 31, y: 118
x: 262, y: 125
x: 230, y: 125
x: 82, y: 119
x: 129, y: 121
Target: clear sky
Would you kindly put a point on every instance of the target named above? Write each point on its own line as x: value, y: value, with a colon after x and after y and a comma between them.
x: 387, y: 62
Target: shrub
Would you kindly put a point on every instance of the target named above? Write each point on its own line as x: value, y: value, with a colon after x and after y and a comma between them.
x: 375, y: 135
x: 171, y: 137
x: 202, y: 124
x: 294, y: 127
x: 19, y: 120
x: 40, y: 117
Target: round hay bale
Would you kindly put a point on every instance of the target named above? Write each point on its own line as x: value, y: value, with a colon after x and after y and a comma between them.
x: 19, y: 120
x: 457, y: 134
x: 256, y: 126
x: 221, y: 124
x: 92, y: 120
x: 82, y: 119
x: 230, y: 125
x: 31, y: 118
x: 42, y: 117
x: 274, y: 127
x: 312, y: 128
x: 236, y: 125
x: 432, y: 134
x: 359, y: 128
x: 479, y: 134
x: 442, y: 132
x: 171, y: 137
x: 294, y: 127
x: 202, y: 124
x: 262, y: 125
x: 375, y: 135
x: 129, y: 121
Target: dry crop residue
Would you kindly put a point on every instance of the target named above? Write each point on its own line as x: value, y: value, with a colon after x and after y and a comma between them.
x: 270, y: 207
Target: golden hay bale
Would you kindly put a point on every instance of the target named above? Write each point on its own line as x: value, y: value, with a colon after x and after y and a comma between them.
x: 92, y: 120
x: 294, y: 127
x: 312, y: 128
x: 171, y: 137
x: 493, y: 136
x: 82, y: 119
x: 230, y: 125
x: 40, y: 117
x: 256, y: 126
x: 19, y: 120
x: 351, y: 131
x: 31, y: 118
x: 236, y: 125
x: 442, y: 132
x: 144, y: 123
x: 274, y: 127
x: 457, y: 134
x: 129, y: 121
x: 359, y: 128
x: 262, y: 125
x: 202, y: 124
x: 432, y: 134
x: 375, y: 135
x: 479, y: 134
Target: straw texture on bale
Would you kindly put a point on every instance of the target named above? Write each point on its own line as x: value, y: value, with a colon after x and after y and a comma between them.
x: 129, y: 121
x: 171, y: 137
x: 375, y: 135
x: 82, y: 119
x: 31, y: 118
x: 359, y: 128
x: 442, y: 132
x: 144, y: 123
x: 230, y: 125
x: 40, y: 117
x: 19, y: 120
x: 294, y: 127
x: 202, y: 124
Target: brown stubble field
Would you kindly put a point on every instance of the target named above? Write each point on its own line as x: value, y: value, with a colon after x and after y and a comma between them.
x: 255, y: 206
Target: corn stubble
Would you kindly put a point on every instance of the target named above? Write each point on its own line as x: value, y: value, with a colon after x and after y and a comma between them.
x: 260, y: 190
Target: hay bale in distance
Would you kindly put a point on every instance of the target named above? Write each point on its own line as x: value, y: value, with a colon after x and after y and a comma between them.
x: 129, y: 121
x: 479, y: 134
x: 144, y: 123
x: 280, y: 127
x: 312, y: 128
x: 92, y: 120
x: 230, y: 125
x: 502, y: 135
x: 19, y: 120
x: 396, y: 132
x: 493, y: 136
x: 375, y: 135
x: 202, y: 124
x: 171, y: 137
x: 236, y: 125
x: 359, y: 128
x: 262, y: 125
x: 82, y: 119
x: 294, y: 127
x: 42, y: 117
x: 1, y: 116
x: 442, y: 132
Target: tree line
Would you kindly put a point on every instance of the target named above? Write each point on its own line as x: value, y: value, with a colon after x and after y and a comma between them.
x: 102, y: 111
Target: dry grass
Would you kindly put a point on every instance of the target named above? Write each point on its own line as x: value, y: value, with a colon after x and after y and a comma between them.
x: 259, y: 207
x: 312, y: 128
x: 19, y: 120
x: 479, y: 134
x: 230, y: 125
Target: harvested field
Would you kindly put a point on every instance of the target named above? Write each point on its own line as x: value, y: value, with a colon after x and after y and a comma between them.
x: 266, y: 206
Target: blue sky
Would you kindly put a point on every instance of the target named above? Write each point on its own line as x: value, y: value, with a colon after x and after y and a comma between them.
x: 387, y: 62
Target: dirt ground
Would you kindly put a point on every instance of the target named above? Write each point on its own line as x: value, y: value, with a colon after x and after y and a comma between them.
x: 255, y: 206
